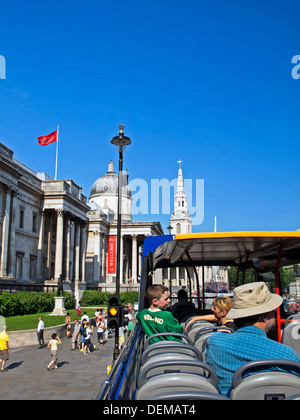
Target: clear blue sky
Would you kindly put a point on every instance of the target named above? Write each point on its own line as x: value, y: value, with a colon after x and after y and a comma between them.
x: 205, y: 81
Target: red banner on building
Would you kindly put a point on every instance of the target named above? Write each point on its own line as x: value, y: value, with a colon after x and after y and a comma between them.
x: 111, y: 254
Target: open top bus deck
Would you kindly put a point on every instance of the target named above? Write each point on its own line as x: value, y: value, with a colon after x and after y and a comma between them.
x: 263, y: 252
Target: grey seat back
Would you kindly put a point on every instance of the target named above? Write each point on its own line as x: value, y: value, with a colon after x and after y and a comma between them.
x: 192, y: 395
x: 179, y: 375
x: 195, y: 326
x: 164, y: 357
x: 291, y: 333
x: 203, y: 334
x: 174, y: 382
x: 272, y: 385
x: 161, y: 336
x: 170, y: 347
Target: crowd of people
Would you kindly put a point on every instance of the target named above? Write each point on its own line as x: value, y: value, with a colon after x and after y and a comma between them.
x: 86, y: 335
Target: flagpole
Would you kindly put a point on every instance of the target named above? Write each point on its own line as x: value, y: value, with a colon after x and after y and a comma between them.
x: 56, y: 153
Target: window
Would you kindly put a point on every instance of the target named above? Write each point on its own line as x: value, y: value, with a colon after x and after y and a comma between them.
x: 34, y: 222
x: 21, y: 221
x: 32, y: 272
x: 19, y: 265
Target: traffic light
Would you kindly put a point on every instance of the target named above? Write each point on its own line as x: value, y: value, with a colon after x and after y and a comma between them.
x: 113, y: 312
x: 124, y: 319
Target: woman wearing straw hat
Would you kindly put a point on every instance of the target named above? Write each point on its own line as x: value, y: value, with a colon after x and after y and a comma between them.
x: 253, y: 311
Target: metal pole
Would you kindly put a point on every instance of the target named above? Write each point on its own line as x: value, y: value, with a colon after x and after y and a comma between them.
x: 119, y: 256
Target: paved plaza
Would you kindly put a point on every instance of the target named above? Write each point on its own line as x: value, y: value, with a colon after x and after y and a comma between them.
x: 79, y: 376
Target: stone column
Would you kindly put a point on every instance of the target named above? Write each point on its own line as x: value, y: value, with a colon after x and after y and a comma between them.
x: 68, y: 248
x: 40, y: 248
x: 49, y: 246
x: 77, y: 251
x: 5, y: 234
x: 82, y: 248
x: 97, y: 255
x: 59, y: 244
x: 11, y: 238
x: 134, y: 260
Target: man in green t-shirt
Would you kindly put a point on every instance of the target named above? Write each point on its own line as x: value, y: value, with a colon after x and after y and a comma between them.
x: 156, y: 319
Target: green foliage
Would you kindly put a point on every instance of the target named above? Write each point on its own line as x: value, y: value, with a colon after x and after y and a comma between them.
x: 95, y: 298
x: 25, y: 303
x: 131, y: 297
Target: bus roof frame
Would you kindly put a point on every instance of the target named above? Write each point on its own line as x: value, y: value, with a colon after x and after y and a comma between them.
x: 258, y: 249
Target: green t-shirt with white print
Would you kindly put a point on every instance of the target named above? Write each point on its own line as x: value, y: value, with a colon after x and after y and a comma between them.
x: 158, y: 321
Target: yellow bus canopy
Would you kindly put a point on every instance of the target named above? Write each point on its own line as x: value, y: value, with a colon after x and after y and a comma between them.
x: 259, y: 249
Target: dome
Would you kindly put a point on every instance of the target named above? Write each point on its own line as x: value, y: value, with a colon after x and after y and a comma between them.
x: 108, y: 184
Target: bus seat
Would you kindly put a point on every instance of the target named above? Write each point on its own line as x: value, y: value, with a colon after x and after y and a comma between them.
x: 266, y: 385
x: 291, y: 333
x: 163, y: 357
x: 195, y: 326
x: 189, y: 395
x: 202, y: 335
x: 165, y: 334
x: 170, y: 347
x: 295, y: 397
x: 175, y: 375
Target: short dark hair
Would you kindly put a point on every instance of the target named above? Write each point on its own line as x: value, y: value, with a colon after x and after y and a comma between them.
x: 247, y: 321
x: 155, y: 291
x: 182, y: 294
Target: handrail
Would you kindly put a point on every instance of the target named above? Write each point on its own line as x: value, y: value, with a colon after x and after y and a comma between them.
x: 108, y: 383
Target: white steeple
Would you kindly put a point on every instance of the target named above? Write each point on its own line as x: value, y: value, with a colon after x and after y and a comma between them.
x: 180, y: 220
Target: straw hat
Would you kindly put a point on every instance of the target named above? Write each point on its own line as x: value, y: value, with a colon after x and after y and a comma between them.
x: 253, y: 299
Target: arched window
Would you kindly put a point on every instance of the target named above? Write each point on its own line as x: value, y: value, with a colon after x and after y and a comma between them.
x: 178, y: 228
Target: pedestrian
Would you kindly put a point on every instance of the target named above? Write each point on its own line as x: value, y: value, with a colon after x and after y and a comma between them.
x: 130, y: 325
x: 53, y: 343
x: 106, y: 331
x: 40, y: 333
x: 4, y: 348
x: 68, y: 325
x: 100, y: 331
x: 83, y: 334
x: 75, y: 334
x: 85, y: 316
x: 78, y: 310
x: 87, y: 343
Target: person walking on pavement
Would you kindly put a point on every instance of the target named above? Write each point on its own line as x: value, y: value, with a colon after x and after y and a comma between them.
x: 75, y: 334
x: 40, y: 333
x: 4, y: 348
x: 53, y: 347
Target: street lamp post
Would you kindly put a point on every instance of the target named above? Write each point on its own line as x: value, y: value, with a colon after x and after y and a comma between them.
x: 120, y: 142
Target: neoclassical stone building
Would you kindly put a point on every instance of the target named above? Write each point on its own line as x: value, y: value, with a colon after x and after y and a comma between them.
x: 47, y: 230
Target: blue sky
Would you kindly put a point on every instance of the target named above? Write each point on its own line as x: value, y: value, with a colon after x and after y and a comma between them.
x: 207, y: 82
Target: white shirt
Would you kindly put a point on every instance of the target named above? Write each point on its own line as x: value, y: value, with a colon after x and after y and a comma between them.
x: 85, y: 317
x: 40, y: 325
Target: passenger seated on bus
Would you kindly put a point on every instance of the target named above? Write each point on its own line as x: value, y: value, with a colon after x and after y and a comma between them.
x: 156, y: 319
x: 184, y: 309
x: 253, y: 311
x: 222, y: 305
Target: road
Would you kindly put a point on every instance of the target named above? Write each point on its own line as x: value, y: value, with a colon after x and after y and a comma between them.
x: 79, y: 376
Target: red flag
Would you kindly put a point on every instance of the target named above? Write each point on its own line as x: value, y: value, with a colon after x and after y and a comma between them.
x: 50, y: 138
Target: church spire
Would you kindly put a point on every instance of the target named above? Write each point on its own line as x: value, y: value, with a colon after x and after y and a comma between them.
x: 180, y: 220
